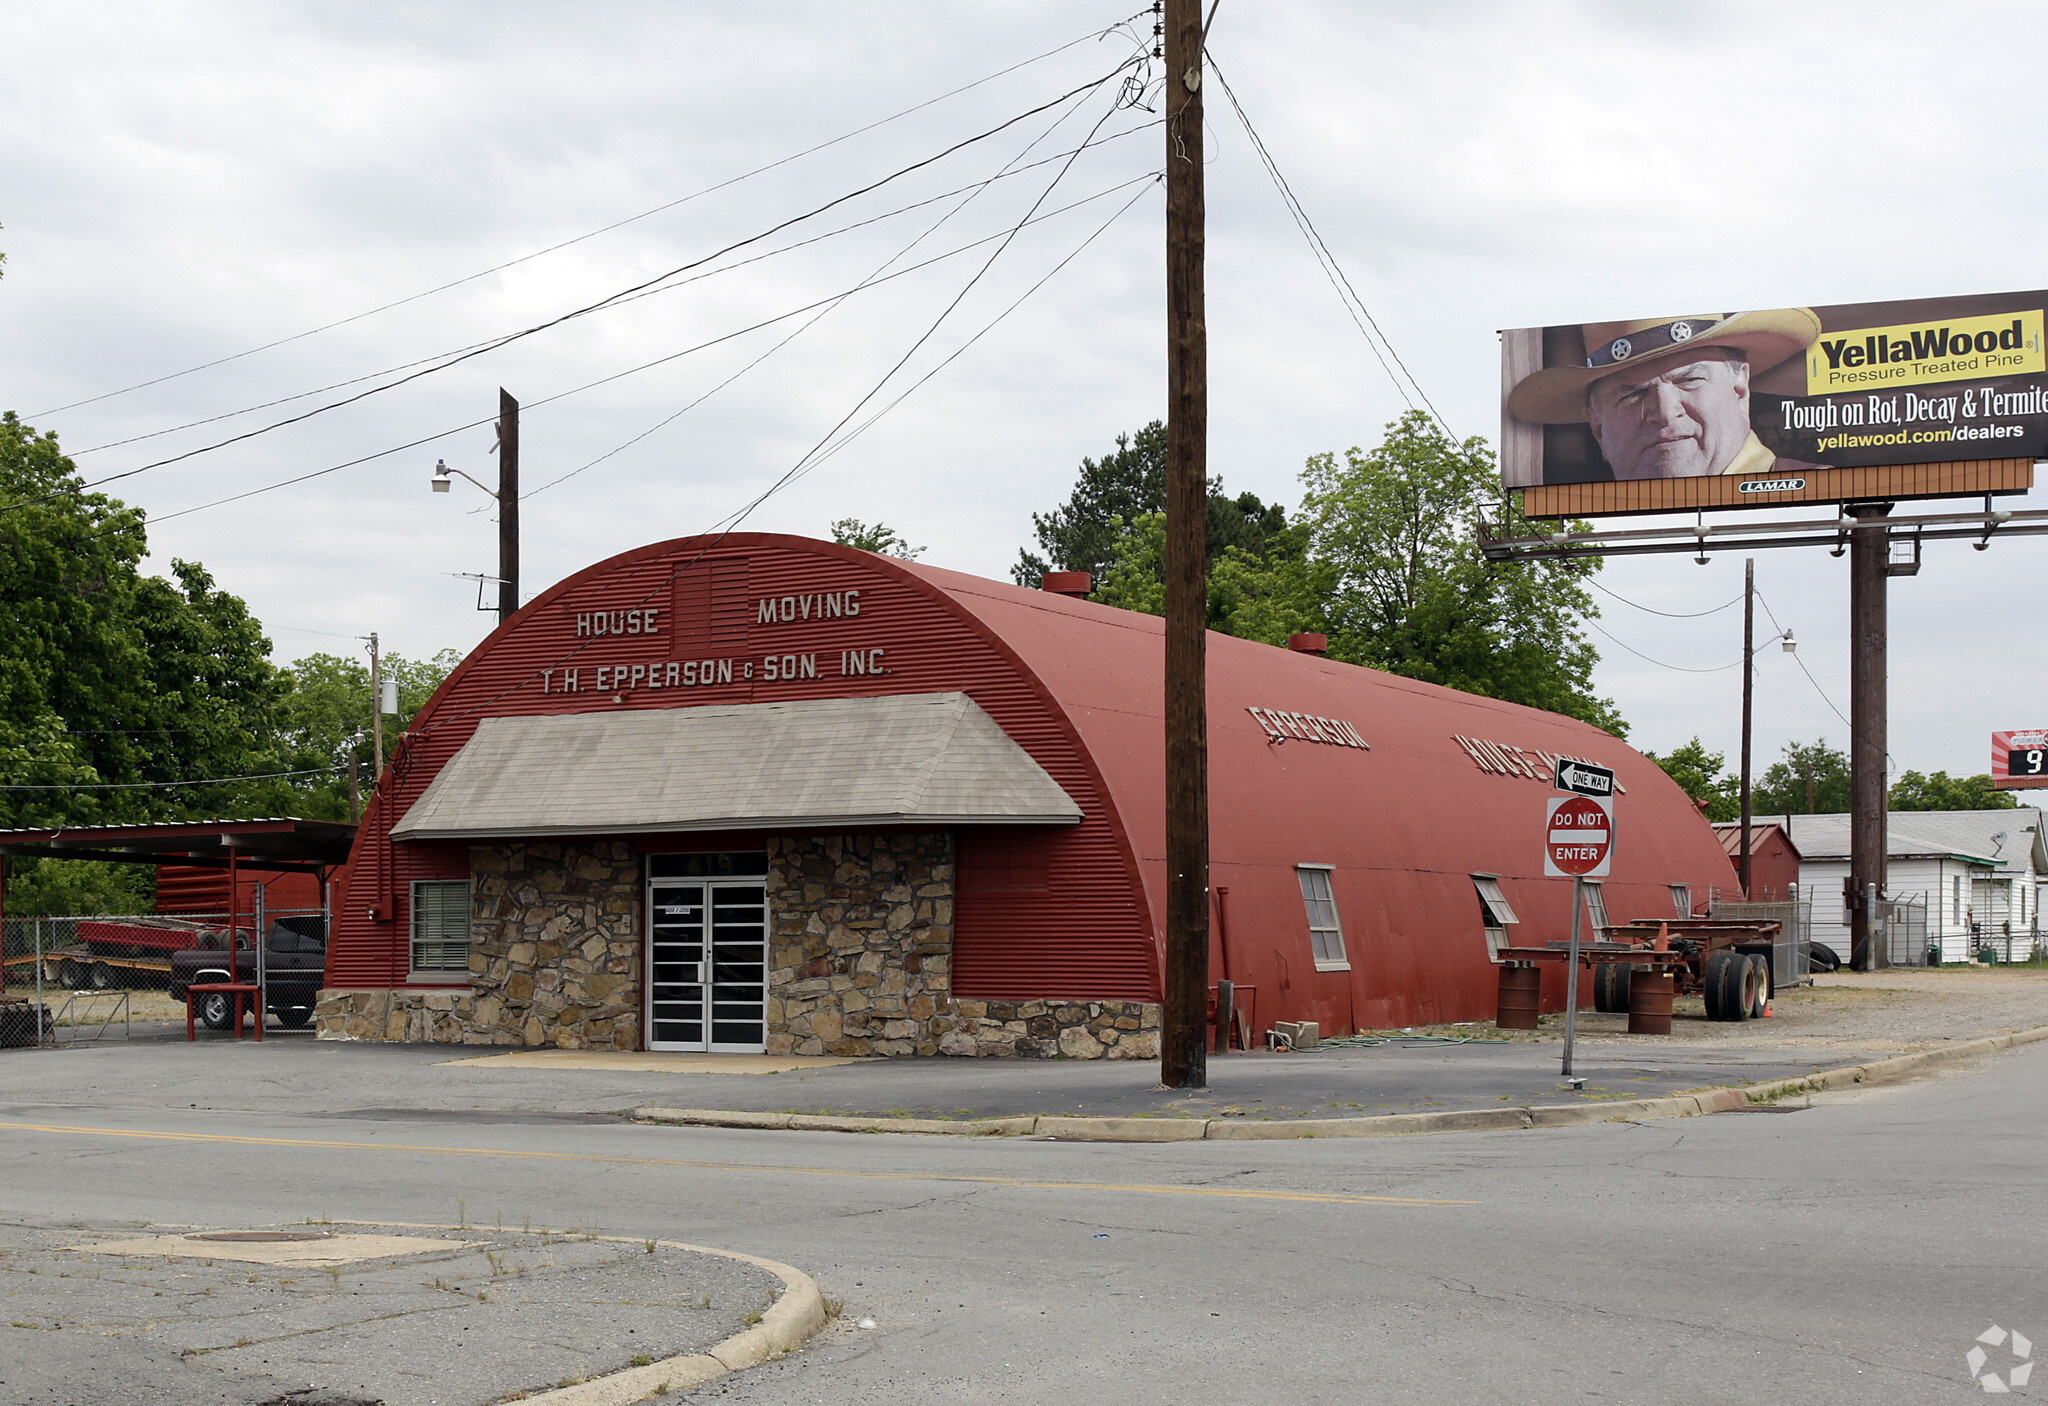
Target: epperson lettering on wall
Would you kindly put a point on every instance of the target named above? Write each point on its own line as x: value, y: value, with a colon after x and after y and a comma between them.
x: 1776, y: 395
x: 634, y: 673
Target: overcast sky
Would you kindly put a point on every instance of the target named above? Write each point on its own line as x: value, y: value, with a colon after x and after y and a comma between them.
x: 181, y: 183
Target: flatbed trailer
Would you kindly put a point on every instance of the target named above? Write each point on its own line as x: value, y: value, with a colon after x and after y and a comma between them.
x: 1727, y: 963
x: 79, y: 968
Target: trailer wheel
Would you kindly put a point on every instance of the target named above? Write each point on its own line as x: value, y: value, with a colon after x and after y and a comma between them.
x: 70, y: 975
x: 217, y: 1010
x: 101, y: 976
x: 1727, y: 982
x: 1760, y: 967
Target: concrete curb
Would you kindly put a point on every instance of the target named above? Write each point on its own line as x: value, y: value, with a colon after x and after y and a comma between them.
x: 796, y: 1316
x: 1562, y: 1115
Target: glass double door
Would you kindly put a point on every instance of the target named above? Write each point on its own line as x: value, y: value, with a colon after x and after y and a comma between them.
x: 707, y: 965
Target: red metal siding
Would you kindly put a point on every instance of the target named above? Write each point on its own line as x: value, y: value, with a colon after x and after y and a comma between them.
x: 1086, y: 937
x: 184, y: 888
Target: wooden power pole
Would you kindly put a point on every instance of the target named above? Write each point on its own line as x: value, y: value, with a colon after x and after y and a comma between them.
x: 376, y: 711
x: 508, y: 505
x: 1183, y: 1049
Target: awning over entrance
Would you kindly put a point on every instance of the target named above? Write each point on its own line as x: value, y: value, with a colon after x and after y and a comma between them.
x: 906, y: 759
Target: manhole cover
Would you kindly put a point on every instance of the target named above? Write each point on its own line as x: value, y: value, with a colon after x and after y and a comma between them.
x: 252, y: 1237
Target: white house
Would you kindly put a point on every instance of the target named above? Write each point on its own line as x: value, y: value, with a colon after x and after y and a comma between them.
x: 1979, y: 871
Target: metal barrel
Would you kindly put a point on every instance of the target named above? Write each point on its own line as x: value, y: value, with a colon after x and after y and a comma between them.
x: 1649, y: 1002
x: 1521, y: 994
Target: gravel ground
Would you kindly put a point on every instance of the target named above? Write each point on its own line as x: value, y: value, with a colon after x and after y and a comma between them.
x: 1897, y: 1011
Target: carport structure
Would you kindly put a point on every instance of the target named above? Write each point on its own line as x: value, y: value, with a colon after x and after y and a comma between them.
x: 271, y: 845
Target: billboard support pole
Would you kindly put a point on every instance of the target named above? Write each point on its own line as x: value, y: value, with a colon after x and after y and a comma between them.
x: 1869, y: 554
x: 1183, y: 1044
x: 1748, y: 692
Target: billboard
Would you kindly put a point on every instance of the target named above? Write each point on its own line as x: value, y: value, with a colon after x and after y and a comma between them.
x: 2019, y: 760
x: 1933, y: 398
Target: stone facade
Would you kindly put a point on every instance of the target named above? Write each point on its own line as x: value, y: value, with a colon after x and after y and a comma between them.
x: 860, y: 961
x: 860, y: 943
x: 554, y: 958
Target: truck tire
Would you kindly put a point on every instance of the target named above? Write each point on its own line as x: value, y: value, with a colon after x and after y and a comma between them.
x: 217, y: 1010
x: 1610, y: 987
x: 101, y: 976
x: 70, y: 975
x: 296, y: 1019
x: 1760, y: 967
x: 1728, y: 983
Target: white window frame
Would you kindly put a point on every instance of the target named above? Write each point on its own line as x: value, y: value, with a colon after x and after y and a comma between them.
x: 1322, y: 939
x: 1681, y: 899
x: 1596, y: 910
x: 438, y: 975
x: 1497, y: 912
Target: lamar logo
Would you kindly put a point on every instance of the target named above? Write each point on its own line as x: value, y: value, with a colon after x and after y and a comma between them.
x: 1770, y: 485
x: 2016, y: 1374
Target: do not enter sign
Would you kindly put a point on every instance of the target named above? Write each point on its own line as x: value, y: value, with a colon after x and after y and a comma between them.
x: 1579, y: 837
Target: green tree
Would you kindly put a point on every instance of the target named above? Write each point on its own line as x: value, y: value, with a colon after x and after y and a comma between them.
x: 1912, y: 791
x: 1397, y: 530
x: 874, y: 537
x: 1111, y: 496
x: 325, y: 723
x: 1699, y: 774
x: 1812, y: 779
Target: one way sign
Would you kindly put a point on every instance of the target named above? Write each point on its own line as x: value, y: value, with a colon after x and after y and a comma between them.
x: 1584, y: 779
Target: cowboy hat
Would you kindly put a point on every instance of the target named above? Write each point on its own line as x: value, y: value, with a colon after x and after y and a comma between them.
x: 1556, y: 395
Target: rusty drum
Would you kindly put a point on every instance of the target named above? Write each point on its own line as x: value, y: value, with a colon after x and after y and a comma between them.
x: 1649, y: 1002
x: 1521, y: 995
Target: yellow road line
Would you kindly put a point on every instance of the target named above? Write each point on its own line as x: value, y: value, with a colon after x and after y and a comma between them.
x: 1221, y: 1193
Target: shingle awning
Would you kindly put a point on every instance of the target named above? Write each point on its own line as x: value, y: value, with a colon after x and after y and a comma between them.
x: 905, y: 759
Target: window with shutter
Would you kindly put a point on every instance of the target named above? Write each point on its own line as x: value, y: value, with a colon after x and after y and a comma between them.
x: 440, y: 930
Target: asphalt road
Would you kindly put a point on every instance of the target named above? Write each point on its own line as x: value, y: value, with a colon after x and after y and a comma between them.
x: 1847, y: 1252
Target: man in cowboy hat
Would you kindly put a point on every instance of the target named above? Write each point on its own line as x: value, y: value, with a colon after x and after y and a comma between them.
x: 1669, y: 397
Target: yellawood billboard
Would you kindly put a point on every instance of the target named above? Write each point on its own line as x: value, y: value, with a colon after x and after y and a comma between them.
x: 1926, y: 399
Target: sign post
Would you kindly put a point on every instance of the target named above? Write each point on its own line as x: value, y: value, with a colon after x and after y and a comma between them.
x: 1578, y: 840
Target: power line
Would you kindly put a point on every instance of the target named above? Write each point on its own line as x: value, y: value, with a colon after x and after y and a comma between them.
x: 1802, y: 665
x: 602, y: 302
x: 1717, y: 669
x: 1332, y: 270
x: 970, y: 190
x: 1667, y: 614
x: 617, y: 375
x: 971, y: 193
x: 602, y: 229
x: 170, y: 785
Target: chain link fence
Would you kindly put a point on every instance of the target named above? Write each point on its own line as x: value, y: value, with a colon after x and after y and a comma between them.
x: 69, y: 980
x: 1791, y: 958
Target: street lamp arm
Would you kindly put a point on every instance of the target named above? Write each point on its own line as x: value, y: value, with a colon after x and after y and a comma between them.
x: 441, y: 472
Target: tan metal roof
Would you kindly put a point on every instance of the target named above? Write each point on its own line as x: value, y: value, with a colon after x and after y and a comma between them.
x: 917, y: 758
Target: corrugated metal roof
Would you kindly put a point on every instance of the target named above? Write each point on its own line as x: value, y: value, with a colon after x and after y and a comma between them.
x: 1827, y: 837
x: 918, y: 758
x: 1729, y: 833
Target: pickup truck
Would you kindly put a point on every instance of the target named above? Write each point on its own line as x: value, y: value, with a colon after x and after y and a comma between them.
x: 295, y: 965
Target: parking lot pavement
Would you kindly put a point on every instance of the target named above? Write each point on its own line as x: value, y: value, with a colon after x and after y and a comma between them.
x: 122, y: 1313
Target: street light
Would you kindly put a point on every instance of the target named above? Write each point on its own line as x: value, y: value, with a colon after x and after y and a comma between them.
x: 507, y: 496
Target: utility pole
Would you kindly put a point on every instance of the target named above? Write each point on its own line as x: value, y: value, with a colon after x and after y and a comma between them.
x: 376, y: 711
x: 508, y: 505
x: 1184, y: 1046
x: 1869, y: 556
x: 1748, y: 688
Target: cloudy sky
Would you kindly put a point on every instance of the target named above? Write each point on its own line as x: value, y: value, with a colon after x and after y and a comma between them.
x: 194, y: 183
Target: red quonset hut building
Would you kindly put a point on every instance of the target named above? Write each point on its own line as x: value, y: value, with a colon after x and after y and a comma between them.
x: 766, y: 793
